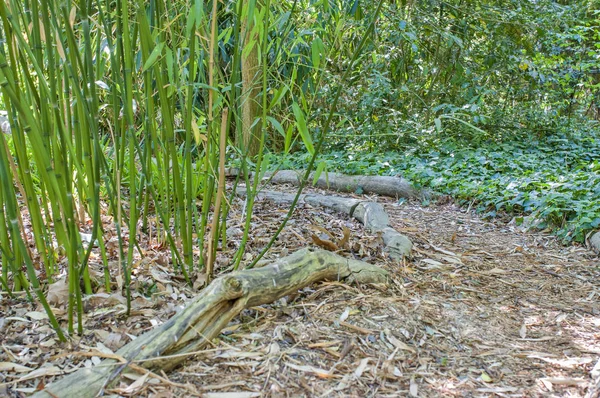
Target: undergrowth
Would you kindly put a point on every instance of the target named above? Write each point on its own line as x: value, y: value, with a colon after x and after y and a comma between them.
x: 555, y: 179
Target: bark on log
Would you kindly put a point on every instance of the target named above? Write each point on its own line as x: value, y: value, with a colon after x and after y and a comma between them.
x: 372, y: 215
x: 374, y: 218
x: 205, y: 316
x: 395, y: 187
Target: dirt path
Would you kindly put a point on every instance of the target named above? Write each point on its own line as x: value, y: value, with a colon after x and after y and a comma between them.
x: 482, y: 309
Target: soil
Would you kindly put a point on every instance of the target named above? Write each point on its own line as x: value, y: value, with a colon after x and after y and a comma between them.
x: 482, y: 309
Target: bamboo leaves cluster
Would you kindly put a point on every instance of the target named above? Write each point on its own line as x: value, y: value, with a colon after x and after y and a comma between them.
x: 123, y: 116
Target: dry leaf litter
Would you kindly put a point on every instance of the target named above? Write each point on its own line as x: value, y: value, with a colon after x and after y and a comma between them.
x: 482, y: 309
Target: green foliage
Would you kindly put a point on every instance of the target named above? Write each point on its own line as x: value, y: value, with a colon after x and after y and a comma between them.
x: 491, y: 102
x: 476, y: 70
x: 123, y: 112
x: 128, y: 106
x: 554, y: 179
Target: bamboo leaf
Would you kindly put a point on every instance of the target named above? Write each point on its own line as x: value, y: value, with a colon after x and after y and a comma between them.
x: 281, y: 91
x: 320, y: 168
x: 317, y: 50
x: 276, y: 125
x: 463, y: 122
x: 190, y: 23
x: 251, y: 8
x: 301, y: 124
x: 198, y: 137
x: 72, y: 16
x: 153, y: 56
x: 59, y: 48
x: 288, y: 138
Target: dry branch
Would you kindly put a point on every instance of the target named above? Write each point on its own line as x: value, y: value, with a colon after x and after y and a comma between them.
x: 204, y: 317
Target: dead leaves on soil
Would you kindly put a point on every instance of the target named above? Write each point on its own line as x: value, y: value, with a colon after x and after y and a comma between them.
x: 326, y: 240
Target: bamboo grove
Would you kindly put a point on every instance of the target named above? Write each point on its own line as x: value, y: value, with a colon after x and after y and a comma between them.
x: 123, y: 115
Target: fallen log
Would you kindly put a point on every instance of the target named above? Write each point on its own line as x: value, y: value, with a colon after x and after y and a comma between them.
x: 204, y: 317
x: 372, y: 215
x: 396, y: 187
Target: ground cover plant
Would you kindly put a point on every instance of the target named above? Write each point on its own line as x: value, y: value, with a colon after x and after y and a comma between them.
x: 553, y: 179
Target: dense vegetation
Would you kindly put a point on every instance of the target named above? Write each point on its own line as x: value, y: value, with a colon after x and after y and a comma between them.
x: 495, y: 103
x: 550, y: 183
x: 129, y: 112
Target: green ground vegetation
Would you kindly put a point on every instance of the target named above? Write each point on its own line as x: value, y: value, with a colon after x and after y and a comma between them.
x: 554, y: 180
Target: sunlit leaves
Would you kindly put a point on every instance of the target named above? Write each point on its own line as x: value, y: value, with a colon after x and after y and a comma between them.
x: 153, y: 56
x: 302, y: 128
x: 317, y: 51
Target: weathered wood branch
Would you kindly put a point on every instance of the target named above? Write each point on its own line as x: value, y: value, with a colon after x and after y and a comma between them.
x: 372, y: 215
x: 204, y: 317
x: 595, y: 242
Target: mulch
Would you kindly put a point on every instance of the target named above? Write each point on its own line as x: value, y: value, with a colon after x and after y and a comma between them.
x: 482, y: 309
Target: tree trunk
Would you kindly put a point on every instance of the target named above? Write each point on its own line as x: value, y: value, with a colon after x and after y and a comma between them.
x: 251, y: 78
x: 395, y: 187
